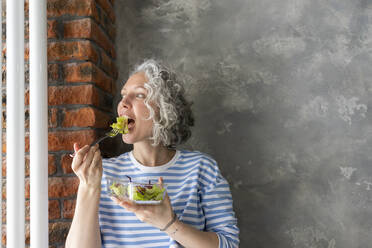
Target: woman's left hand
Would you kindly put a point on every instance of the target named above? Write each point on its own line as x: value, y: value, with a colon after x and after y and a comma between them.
x: 156, y: 215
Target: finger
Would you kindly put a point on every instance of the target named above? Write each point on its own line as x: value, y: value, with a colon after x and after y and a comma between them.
x: 89, y: 157
x: 166, y: 199
x: 80, y: 155
x: 82, y: 151
x: 160, y: 181
x: 76, y: 147
x: 125, y: 204
x: 96, y: 159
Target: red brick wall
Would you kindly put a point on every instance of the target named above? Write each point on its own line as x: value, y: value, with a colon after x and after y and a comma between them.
x: 81, y: 79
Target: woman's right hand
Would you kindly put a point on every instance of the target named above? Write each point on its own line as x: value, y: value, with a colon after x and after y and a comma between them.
x: 87, y: 165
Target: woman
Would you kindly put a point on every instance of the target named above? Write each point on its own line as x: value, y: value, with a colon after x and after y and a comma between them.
x: 197, y: 210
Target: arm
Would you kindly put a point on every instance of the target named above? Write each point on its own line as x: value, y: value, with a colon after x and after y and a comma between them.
x: 189, y: 236
x: 84, y: 230
x: 218, y: 210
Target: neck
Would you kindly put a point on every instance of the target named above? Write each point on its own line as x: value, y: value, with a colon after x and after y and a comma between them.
x: 149, y: 155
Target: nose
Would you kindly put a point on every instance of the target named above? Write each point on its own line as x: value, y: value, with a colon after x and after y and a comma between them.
x: 125, y: 103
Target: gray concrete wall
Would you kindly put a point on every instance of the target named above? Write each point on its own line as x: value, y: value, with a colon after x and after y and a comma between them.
x: 282, y: 97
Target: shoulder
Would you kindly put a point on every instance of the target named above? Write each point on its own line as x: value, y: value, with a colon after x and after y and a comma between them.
x: 199, y: 159
x: 196, y: 155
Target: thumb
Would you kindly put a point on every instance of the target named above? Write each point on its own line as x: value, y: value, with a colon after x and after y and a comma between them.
x: 76, y: 147
x: 160, y: 181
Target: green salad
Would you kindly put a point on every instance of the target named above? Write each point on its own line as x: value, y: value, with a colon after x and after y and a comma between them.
x: 119, y: 190
x: 148, y: 193
x: 137, y: 192
x: 121, y: 124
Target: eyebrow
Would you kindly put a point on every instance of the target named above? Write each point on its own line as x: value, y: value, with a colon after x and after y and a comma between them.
x: 141, y: 87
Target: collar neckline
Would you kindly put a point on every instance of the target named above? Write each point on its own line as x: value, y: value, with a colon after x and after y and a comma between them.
x: 158, y: 168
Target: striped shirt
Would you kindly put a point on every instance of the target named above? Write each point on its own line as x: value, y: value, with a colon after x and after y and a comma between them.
x: 199, y: 196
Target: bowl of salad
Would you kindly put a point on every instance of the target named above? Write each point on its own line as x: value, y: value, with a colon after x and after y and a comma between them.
x: 138, y: 192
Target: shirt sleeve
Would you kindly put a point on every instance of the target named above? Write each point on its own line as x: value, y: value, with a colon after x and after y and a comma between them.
x: 217, y: 205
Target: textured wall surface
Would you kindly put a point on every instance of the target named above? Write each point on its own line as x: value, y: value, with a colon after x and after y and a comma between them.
x: 282, y: 97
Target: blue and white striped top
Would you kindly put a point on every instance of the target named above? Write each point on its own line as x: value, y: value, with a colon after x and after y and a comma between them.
x: 199, y: 195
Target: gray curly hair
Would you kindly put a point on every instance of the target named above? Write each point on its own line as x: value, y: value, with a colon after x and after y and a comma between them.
x: 173, y: 125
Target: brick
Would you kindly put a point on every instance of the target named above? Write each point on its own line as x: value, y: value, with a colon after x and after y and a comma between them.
x: 3, y: 167
x: 27, y: 209
x: 87, y: 28
x: 54, y: 210
x: 68, y: 208
x: 82, y: 94
x: 3, y: 238
x: 27, y: 234
x: 52, y: 168
x: 109, y: 28
x: 57, y: 8
x: 52, y: 117
x: 27, y: 97
x: 27, y: 73
x: 64, y: 140
x: 67, y: 50
x: 26, y: 4
x: 3, y: 212
x: 58, y: 232
x: 4, y: 117
x: 87, y: 72
x: 86, y: 117
x: 66, y: 161
x: 53, y: 73
x: 27, y: 119
x: 27, y: 143
x: 27, y: 30
x: 27, y: 53
x: 108, y: 65
x: 108, y: 8
x: 27, y: 166
x: 3, y: 68
x: 27, y: 188
x: 83, y: 8
x: 52, y: 29
x: 62, y: 186
x: 3, y: 192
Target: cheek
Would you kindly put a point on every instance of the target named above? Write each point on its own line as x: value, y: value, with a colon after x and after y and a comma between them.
x: 118, y: 107
x: 145, y: 111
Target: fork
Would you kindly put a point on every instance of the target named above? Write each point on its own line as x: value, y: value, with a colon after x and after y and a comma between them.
x: 110, y: 134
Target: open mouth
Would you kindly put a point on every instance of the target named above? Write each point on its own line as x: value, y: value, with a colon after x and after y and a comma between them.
x: 130, y: 123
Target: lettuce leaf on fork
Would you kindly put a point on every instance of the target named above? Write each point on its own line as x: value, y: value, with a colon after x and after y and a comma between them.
x: 121, y: 125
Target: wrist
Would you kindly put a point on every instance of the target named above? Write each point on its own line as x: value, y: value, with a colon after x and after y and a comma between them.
x: 171, y: 222
x: 174, y: 228
x: 88, y: 198
x: 90, y: 190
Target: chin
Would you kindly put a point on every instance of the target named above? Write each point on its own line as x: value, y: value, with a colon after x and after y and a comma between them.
x: 127, y: 140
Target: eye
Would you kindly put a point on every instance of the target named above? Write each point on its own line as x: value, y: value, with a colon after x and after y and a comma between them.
x: 140, y: 95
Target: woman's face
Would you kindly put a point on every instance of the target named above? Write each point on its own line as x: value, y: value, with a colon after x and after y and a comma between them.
x: 132, y: 105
